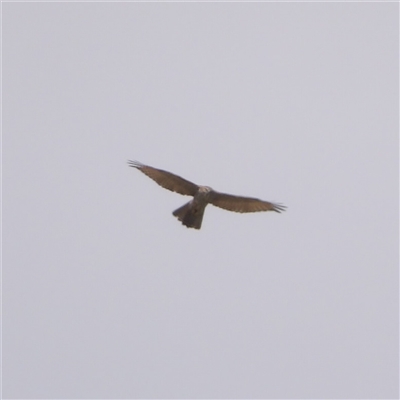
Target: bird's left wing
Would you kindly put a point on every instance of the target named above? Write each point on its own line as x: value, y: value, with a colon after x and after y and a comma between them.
x: 166, y: 179
x: 243, y: 204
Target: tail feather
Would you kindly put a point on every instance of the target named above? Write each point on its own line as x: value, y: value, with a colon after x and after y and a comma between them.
x: 191, y: 217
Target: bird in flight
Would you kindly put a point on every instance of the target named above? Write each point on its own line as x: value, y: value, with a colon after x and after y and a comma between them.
x: 191, y: 213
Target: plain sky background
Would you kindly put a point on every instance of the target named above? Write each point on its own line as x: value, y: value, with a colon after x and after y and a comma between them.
x: 106, y: 294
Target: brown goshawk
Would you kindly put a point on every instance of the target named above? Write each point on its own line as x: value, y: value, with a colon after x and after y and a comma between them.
x: 191, y: 213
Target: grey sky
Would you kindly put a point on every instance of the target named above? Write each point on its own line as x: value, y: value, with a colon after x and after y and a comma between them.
x: 106, y: 294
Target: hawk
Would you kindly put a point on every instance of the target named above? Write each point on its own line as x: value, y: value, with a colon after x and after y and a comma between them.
x: 191, y: 213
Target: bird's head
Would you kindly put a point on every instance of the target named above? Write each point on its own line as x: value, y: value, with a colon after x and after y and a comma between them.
x: 205, y: 189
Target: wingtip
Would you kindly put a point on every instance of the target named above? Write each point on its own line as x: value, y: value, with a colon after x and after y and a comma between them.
x: 279, y: 207
x: 135, y: 164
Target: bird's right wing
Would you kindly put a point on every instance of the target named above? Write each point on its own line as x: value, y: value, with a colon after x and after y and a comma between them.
x: 167, y: 180
x: 243, y: 204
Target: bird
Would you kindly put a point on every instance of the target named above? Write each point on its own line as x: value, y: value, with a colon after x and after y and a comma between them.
x: 191, y: 214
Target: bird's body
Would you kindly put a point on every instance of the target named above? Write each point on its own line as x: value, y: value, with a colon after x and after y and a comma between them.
x: 191, y: 214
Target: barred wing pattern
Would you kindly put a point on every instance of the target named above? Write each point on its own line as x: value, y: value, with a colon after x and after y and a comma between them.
x: 167, y: 180
x: 243, y: 204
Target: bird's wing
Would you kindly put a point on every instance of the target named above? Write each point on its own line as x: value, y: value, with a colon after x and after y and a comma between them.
x: 243, y: 204
x: 167, y: 180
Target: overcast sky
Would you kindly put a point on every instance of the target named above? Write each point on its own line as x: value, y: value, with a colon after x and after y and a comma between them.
x: 106, y: 294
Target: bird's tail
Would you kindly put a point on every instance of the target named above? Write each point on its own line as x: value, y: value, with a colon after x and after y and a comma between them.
x: 190, y: 215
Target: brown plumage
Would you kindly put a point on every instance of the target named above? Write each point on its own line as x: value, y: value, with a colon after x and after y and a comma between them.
x: 191, y: 213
